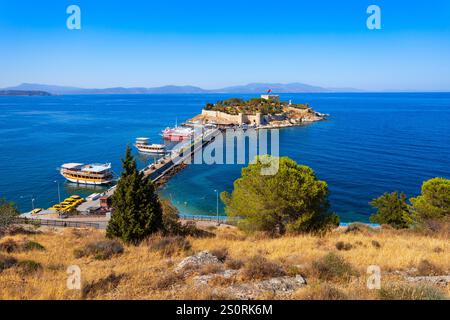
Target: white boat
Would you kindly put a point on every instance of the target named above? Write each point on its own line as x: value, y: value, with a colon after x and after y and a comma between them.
x: 177, y: 133
x: 95, y: 174
x: 142, y: 144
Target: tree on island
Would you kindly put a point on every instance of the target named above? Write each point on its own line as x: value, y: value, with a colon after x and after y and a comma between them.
x: 292, y: 200
x: 392, y: 210
x: 137, y: 212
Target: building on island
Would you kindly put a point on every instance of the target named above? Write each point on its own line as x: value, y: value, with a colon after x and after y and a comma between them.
x: 265, y: 111
x: 273, y: 97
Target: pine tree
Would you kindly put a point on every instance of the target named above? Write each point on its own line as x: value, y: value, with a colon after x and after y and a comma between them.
x: 292, y: 200
x: 392, y: 209
x: 137, y: 210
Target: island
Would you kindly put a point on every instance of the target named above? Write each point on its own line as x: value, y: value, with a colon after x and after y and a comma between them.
x: 23, y: 93
x: 263, y: 112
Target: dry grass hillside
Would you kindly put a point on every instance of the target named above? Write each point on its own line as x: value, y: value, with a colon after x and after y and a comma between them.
x: 34, y: 266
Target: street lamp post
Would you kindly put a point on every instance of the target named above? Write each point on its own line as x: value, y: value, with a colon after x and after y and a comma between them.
x: 59, y: 193
x: 217, y: 205
x: 32, y: 201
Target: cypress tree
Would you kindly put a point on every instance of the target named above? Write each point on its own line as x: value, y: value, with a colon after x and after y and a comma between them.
x: 137, y: 210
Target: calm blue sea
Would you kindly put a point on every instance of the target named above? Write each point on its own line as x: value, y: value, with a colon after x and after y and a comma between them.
x: 372, y: 143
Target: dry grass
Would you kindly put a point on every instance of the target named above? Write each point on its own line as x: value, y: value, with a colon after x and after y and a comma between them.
x: 221, y: 253
x: 234, y: 264
x: 258, y: 267
x: 322, y: 291
x: 167, y: 281
x: 211, y: 268
x: 333, y: 267
x: 402, y: 291
x: 169, y: 245
x: 143, y: 267
x: 104, y: 285
x: 426, y: 268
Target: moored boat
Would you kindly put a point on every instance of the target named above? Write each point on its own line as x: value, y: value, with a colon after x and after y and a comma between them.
x: 177, y: 133
x: 95, y: 174
x: 142, y: 144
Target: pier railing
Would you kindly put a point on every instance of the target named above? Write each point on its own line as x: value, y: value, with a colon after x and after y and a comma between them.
x: 221, y: 219
x: 59, y: 223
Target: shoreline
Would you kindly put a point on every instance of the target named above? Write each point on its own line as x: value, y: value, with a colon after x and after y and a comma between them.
x: 100, y: 222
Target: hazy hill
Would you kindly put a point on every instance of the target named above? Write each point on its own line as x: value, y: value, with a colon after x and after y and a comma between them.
x: 275, y: 87
x: 256, y: 88
x: 23, y: 93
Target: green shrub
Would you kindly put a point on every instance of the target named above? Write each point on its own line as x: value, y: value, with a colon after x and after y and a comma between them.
x: 357, y: 227
x: 56, y: 267
x: 333, y: 267
x: 341, y: 245
x: 29, y: 266
x: 101, y: 286
x: 7, y: 262
x: 32, y: 245
x: 9, y: 246
x: 100, y: 250
x: 376, y: 244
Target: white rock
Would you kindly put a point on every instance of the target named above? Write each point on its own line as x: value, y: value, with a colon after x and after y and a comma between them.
x: 200, y: 259
x: 434, y: 280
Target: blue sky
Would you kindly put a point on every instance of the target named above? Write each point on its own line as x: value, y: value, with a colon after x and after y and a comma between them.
x: 218, y: 43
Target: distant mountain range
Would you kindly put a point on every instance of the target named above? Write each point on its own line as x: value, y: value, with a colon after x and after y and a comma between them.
x: 257, y: 88
x: 23, y: 93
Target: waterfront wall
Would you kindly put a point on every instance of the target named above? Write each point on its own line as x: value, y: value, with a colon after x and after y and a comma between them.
x: 239, y: 119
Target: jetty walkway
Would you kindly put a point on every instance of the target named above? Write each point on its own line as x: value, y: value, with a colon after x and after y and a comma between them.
x: 182, y: 153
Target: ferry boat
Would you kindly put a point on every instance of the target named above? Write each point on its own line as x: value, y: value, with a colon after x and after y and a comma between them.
x: 177, y: 133
x: 81, y: 173
x: 143, y: 146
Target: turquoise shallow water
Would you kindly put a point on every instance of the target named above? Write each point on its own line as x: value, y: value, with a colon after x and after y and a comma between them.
x: 373, y: 143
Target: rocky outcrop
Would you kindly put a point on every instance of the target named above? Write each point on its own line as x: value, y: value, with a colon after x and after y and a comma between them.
x: 200, y: 259
x: 279, y: 286
x: 432, y: 280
